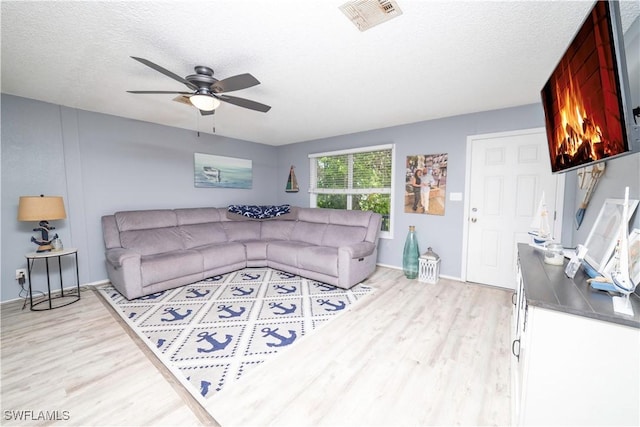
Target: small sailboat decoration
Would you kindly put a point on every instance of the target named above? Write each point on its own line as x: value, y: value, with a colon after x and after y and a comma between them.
x: 540, y: 229
x: 292, y: 182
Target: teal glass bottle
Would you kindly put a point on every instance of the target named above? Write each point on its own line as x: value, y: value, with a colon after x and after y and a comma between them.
x: 411, y: 254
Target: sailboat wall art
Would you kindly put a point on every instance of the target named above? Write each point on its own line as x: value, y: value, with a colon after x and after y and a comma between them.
x: 292, y: 182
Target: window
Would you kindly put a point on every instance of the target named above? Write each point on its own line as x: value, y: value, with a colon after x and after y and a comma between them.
x: 359, y: 179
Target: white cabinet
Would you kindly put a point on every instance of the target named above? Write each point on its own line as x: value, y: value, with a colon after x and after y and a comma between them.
x: 518, y: 321
x: 569, y: 369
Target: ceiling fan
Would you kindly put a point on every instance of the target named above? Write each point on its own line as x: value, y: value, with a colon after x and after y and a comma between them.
x: 207, y: 91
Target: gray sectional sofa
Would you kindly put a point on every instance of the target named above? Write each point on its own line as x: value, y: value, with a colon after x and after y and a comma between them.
x: 152, y: 250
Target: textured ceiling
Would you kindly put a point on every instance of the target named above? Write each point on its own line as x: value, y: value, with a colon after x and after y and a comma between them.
x: 321, y: 75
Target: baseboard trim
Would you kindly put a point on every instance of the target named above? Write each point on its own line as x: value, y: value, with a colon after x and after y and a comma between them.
x: 442, y: 276
x: 66, y: 289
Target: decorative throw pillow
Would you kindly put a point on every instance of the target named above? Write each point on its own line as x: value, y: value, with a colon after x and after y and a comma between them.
x: 260, y: 212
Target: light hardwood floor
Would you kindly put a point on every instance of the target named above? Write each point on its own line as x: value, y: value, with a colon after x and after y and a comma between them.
x: 410, y: 354
x: 79, y: 361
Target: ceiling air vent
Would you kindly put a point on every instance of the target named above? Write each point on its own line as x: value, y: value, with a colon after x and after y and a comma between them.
x: 369, y: 13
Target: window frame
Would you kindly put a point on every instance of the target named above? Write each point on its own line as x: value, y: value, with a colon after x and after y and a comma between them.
x: 313, y: 190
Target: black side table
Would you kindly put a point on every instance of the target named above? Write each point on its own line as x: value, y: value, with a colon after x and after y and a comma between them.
x: 59, y: 300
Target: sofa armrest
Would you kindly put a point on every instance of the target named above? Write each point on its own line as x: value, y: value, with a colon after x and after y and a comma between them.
x: 118, y: 256
x: 357, y: 250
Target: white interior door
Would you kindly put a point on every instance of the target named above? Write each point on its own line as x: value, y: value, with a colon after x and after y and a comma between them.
x: 506, y: 177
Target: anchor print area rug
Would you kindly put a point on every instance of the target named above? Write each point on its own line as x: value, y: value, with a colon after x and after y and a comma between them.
x: 211, y: 333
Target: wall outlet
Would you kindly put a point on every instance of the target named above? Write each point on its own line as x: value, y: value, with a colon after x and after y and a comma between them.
x: 21, y: 273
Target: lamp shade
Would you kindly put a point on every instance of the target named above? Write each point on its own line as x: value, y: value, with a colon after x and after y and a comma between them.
x: 39, y: 208
x: 205, y: 102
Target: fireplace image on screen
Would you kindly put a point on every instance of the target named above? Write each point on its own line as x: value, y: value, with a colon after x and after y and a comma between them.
x: 583, y: 98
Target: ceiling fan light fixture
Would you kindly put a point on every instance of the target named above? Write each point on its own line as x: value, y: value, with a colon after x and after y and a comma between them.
x: 204, y: 102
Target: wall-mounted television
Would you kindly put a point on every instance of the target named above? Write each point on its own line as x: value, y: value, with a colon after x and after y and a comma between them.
x: 586, y: 101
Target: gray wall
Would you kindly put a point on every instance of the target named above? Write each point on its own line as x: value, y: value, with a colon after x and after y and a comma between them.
x: 619, y: 173
x: 448, y: 135
x: 101, y: 164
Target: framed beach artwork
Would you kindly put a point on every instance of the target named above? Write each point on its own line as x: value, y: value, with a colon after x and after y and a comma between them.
x: 602, y: 238
x: 212, y: 171
x: 426, y: 183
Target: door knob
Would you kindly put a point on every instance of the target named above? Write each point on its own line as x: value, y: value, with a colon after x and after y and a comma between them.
x: 474, y: 220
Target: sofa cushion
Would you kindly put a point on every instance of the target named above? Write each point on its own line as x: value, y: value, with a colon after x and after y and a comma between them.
x: 219, y: 255
x: 343, y: 235
x: 110, y: 232
x: 152, y: 241
x: 352, y: 218
x: 144, y: 220
x: 308, y: 232
x: 195, y: 235
x: 318, y: 215
x: 241, y: 230
x: 255, y: 249
x: 285, y: 252
x: 197, y: 215
x: 322, y: 259
x: 276, y: 230
x: 169, y: 265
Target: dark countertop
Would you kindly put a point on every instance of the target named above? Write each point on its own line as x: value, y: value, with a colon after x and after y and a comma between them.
x: 547, y: 286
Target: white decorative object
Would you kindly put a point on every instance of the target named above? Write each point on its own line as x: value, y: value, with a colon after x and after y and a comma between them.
x: 540, y: 229
x: 576, y: 260
x: 429, y: 270
x: 57, y: 244
x: 554, y: 254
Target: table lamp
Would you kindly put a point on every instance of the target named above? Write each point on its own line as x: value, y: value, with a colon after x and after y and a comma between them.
x: 42, y: 209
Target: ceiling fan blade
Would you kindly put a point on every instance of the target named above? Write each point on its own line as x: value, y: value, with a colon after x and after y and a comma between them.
x: 165, y: 72
x: 158, y: 91
x: 246, y: 103
x: 241, y: 81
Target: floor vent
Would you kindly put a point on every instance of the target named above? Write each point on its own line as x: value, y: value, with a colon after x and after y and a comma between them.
x: 369, y: 13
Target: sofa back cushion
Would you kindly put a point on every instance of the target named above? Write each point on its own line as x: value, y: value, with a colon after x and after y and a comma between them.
x: 152, y: 241
x: 143, y: 220
x: 345, y: 217
x: 352, y: 227
x: 316, y: 215
x: 343, y: 235
x: 197, y: 215
x: 308, y: 232
x: 373, y: 230
x: 241, y: 230
x: 334, y: 227
x: 149, y: 232
x: 110, y: 232
x: 194, y: 235
x: 276, y: 230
